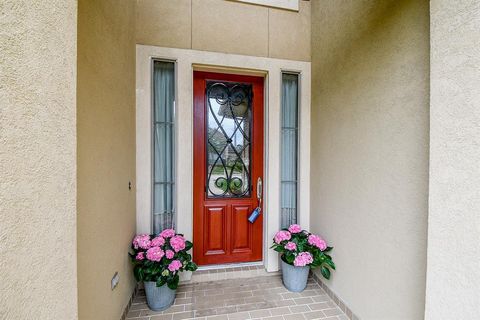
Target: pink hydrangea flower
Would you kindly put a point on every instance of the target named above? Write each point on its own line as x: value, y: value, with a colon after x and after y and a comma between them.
x: 291, y: 246
x: 142, y: 241
x: 177, y: 243
x: 167, y: 233
x: 316, y: 241
x: 158, y: 241
x: 303, y: 259
x: 281, y: 236
x: 295, y: 228
x: 155, y: 254
x: 140, y: 256
x: 174, y: 265
x: 169, y: 254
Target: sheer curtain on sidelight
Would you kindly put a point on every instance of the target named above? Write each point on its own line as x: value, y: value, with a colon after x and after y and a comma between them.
x: 163, y: 145
x: 289, y: 150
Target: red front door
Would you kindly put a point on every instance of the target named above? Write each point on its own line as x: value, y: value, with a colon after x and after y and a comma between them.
x: 228, y: 167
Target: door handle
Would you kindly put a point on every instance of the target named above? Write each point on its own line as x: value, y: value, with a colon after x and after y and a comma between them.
x: 259, y: 191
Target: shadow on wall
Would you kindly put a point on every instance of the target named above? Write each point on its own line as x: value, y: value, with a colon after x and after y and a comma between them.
x: 360, y: 23
x: 370, y: 114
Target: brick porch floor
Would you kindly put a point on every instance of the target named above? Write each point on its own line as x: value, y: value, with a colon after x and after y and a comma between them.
x: 239, y: 299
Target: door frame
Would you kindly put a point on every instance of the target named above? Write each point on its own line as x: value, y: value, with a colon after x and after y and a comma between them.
x: 186, y: 61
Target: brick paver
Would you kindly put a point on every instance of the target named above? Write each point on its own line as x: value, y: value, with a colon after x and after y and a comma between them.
x: 262, y: 298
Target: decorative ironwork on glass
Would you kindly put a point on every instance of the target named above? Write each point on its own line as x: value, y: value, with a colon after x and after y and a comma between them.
x: 229, y: 121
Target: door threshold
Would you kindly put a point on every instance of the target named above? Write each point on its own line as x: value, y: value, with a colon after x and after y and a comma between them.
x: 230, y: 265
x: 218, y: 272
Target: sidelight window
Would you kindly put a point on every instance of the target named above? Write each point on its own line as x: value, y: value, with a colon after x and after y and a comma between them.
x: 289, y: 150
x: 163, y: 145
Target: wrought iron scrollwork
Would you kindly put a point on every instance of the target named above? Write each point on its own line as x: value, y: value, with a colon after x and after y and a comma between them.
x: 229, y: 120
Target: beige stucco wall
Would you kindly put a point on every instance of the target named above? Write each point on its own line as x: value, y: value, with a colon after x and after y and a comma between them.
x: 370, y: 133
x: 38, y: 272
x: 225, y: 26
x: 106, y: 155
x: 453, y: 277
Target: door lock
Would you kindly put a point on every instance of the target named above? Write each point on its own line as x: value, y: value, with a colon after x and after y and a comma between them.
x: 258, y: 209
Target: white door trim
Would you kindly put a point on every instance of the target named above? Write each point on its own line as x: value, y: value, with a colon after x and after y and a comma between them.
x: 186, y: 60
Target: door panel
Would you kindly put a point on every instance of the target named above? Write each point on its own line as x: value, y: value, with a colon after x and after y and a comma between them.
x: 216, y: 229
x: 228, y: 157
x: 241, y: 228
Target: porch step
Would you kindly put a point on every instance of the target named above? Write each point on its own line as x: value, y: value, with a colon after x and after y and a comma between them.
x: 226, y: 273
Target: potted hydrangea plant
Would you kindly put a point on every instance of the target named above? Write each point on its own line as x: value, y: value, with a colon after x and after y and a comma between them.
x: 300, y: 251
x: 157, y: 261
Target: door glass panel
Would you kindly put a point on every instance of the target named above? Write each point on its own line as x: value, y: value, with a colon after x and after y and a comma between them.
x: 229, y: 122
